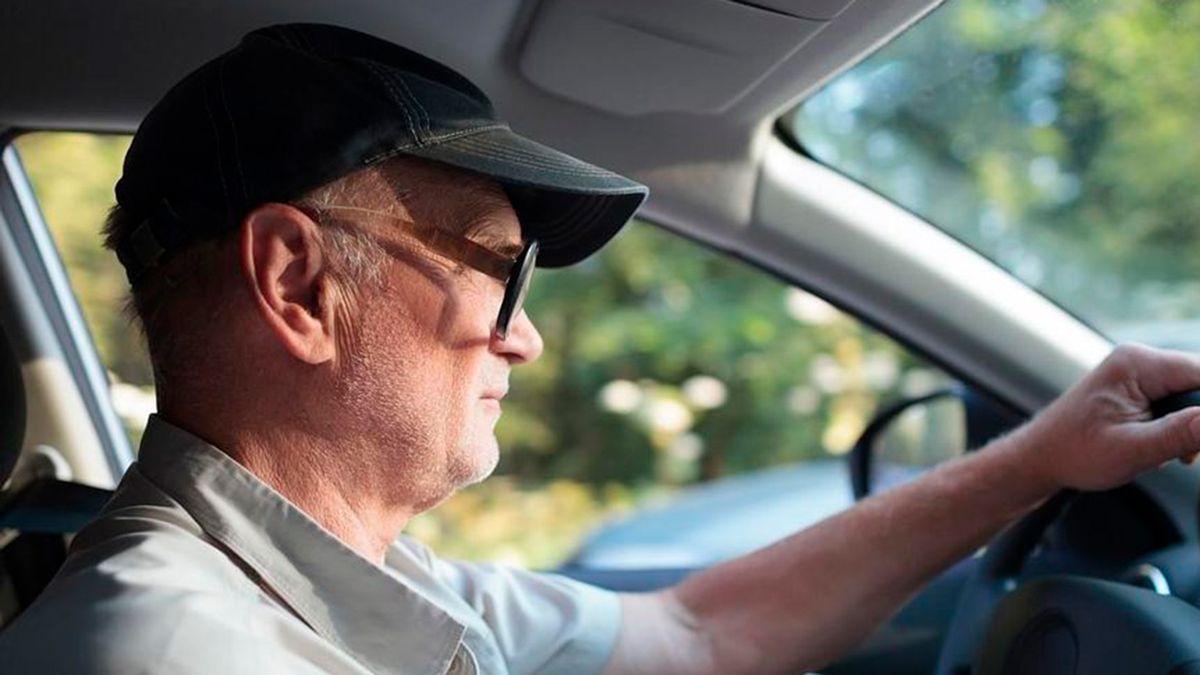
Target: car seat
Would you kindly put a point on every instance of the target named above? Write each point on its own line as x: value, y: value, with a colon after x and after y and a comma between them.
x: 35, y: 517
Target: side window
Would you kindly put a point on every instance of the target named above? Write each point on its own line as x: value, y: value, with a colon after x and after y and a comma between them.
x: 687, y: 407
x: 72, y: 175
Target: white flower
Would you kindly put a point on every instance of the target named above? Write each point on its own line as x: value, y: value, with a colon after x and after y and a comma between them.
x: 687, y: 447
x: 808, y: 308
x: 670, y: 416
x: 705, y: 392
x: 880, y: 370
x: 620, y: 396
x: 803, y: 400
x: 827, y: 374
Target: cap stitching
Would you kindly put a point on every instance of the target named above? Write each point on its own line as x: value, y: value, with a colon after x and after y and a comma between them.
x: 288, y: 36
x: 579, y: 212
x: 497, y: 153
x: 422, y: 123
x: 575, y: 164
x: 421, y: 112
x: 552, y: 151
x: 302, y: 38
x: 284, y: 36
x: 535, y: 161
x: 591, y: 213
x: 395, y: 95
x: 531, y: 161
x: 599, y: 215
x: 391, y: 152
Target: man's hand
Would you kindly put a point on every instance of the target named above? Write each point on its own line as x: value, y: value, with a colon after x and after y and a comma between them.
x: 803, y: 602
x: 1100, y: 435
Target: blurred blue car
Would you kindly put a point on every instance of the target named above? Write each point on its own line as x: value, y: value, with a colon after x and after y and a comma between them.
x: 722, y: 519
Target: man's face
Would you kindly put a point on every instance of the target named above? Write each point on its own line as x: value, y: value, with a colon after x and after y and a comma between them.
x: 429, y: 374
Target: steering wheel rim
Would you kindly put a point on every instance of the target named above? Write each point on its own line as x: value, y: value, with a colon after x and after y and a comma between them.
x: 991, y: 580
x: 1002, y: 561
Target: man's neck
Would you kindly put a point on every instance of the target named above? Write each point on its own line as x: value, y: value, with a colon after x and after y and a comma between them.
x: 347, y: 493
x: 358, y: 517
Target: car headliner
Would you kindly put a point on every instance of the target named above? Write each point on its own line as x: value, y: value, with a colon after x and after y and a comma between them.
x: 100, y: 66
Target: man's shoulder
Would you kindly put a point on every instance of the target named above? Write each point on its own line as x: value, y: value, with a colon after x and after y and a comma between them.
x: 141, y: 585
x: 153, y: 630
x: 95, y: 623
x: 145, y: 542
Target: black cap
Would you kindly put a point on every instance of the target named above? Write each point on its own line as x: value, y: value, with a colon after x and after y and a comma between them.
x: 295, y: 106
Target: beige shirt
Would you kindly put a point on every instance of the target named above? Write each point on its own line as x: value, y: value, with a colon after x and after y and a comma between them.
x: 196, y: 566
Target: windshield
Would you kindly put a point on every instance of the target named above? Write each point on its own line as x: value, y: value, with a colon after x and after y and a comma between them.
x: 1058, y: 138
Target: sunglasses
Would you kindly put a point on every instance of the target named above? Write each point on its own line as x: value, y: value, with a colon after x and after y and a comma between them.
x: 514, y: 272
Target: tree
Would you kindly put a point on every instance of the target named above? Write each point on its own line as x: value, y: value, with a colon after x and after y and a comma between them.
x: 1058, y: 138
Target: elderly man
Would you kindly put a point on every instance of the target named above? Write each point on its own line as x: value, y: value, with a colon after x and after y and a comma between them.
x: 329, y: 238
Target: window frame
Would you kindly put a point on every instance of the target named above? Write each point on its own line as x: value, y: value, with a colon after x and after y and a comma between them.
x: 35, y: 248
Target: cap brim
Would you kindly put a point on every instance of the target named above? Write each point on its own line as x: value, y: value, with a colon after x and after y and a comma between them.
x: 571, y: 207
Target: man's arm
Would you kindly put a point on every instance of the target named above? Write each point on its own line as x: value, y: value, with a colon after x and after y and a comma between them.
x: 804, y: 601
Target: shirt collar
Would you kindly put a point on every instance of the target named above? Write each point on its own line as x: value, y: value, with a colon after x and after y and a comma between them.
x: 382, y: 622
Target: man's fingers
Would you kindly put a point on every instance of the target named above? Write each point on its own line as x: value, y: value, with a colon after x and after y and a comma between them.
x: 1174, y: 436
x: 1158, y: 372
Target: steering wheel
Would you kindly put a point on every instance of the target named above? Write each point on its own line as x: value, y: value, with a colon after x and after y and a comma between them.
x: 1065, y: 624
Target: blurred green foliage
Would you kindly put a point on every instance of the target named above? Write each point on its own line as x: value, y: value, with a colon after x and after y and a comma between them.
x: 73, y: 176
x: 1058, y: 138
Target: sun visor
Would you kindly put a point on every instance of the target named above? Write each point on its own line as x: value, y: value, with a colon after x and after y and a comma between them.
x: 634, y: 57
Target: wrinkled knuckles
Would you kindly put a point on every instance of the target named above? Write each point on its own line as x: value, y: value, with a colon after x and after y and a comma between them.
x: 1125, y: 404
x: 1123, y: 362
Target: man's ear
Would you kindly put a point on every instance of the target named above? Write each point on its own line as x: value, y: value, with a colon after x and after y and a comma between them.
x: 279, y: 252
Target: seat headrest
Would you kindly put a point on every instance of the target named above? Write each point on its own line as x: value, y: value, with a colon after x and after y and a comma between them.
x: 12, y: 406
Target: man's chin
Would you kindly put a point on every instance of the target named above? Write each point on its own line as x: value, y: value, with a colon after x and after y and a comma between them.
x: 481, y: 462
x: 472, y: 465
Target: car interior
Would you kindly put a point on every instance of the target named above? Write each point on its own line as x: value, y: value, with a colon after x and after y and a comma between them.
x: 686, y: 97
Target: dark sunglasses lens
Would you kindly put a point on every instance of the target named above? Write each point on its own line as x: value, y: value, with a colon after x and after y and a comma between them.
x: 517, y: 288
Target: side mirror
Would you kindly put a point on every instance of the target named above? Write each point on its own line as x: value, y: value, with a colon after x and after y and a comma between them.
x: 911, y: 436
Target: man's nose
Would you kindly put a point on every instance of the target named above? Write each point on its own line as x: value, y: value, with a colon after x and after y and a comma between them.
x: 524, y: 342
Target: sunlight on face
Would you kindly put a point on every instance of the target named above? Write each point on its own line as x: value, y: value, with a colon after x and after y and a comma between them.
x: 430, y: 376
